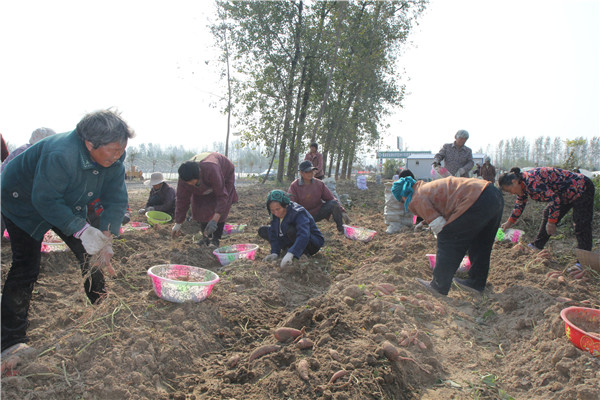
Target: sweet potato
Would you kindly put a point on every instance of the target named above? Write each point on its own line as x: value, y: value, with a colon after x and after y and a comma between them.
x: 263, y: 350
x: 385, y: 288
x: 335, y: 355
x: 285, y: 334
x: 304, y: 343
x: 302, y: 368
x: 561, y: 279
x: 338, y: 375
x: 233, y: 361
x: 390, y: 351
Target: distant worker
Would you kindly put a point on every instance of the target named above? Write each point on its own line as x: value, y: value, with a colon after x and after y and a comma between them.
x: 36, y: 136
x: 315, y: 196
x: 458, y: 158
x: 316, y: 159
x: 487, y: 170
x: 207, y: 182
x: 162, y: 196
x: 292, y: 230
x: 464, y: 214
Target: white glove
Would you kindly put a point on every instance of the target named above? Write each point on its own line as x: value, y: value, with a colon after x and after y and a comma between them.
x: 93, y: 239
x: 176, y: 229
x: 142, y: 211
x: 437, y: 225
x: 271, y: 257
x: 287, y: 260
x: 460, y: 172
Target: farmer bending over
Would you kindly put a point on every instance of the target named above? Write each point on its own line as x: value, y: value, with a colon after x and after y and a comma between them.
x: 48, y: 187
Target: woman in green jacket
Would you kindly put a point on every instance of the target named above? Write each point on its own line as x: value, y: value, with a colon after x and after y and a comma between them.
x: 48, y: 187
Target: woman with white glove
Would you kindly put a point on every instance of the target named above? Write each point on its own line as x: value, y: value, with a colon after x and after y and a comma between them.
x: 48, y: 187
x: 292, y: 230
x: 464, y: 214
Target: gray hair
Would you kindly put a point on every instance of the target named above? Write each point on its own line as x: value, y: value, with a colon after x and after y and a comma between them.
x: 104, y: 127
x: 39, y: 134
x: 462, y: 134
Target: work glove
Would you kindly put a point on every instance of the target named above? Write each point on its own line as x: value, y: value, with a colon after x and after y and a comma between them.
x: 460, y: 172
x: 287, y: 260
x: 211, y: 227
x: 92, y: 239
x: 142, y: 211
x: 104, y: 257
x: 435, y: 164
x: 126, y: 219
x: 271, y: 257
x: 437, y: 225
x: 176, y: 230
x: 149, y: 209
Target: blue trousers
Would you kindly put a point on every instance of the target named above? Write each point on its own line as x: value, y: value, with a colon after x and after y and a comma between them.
x: 473, y: 232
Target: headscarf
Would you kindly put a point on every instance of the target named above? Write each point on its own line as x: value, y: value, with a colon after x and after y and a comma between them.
x: 279, y: 196
x: 403, y: 187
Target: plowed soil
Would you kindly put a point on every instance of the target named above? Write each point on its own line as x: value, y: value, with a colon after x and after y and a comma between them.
x: 509, y: 342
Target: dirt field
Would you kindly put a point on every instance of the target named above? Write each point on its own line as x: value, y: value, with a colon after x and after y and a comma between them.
x: 509, y: 343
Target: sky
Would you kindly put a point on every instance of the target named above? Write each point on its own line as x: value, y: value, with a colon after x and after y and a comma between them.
x: 499, y: 69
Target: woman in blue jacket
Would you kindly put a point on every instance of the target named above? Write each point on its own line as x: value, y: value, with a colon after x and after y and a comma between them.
x: 48, y: 187
x: 292, y: 229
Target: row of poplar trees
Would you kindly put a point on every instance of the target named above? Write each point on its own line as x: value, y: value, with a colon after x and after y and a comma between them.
x: 313, y: 71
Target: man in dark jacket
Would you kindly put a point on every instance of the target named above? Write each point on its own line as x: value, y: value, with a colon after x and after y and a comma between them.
x: 162, y: 196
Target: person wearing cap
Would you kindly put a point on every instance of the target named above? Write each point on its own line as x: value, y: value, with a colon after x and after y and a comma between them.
x: 458, y: 158
x: 292, y: 230
x: 316, y: 159
x: 207, y: 182
x: 315, y: 196
x: 487, y: 170
x: 36, y: 136
x: 162, y: 196
x: 48, y: 187
x: 465, y: 215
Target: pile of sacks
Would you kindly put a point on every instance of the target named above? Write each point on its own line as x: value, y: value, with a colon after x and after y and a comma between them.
x: 394, y: 215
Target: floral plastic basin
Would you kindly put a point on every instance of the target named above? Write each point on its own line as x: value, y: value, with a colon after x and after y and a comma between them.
x: 465, y: 264
x: 231, y: 229
x: 510, y: 234
x: 182, y: 283
x: 51, y: 242
x: 358, y: 233
x: 582, y: 326
x: 229, y: 254
x: 135, y: 226
x: 158, y: 217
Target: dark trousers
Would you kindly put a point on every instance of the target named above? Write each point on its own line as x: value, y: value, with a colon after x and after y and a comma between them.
x: 23, y: 274
x: 331, y: 208
x: 583, y: 214
x: 473, y: 232
x: 289, y: 239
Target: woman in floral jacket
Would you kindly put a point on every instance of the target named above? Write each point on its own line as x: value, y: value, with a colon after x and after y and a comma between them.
x: 563, y: 190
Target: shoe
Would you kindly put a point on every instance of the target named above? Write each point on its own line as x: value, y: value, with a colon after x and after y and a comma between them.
x: 467, y: 284
x: 429, y: 287
x: 532, y: 247
x: 16, y: 355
